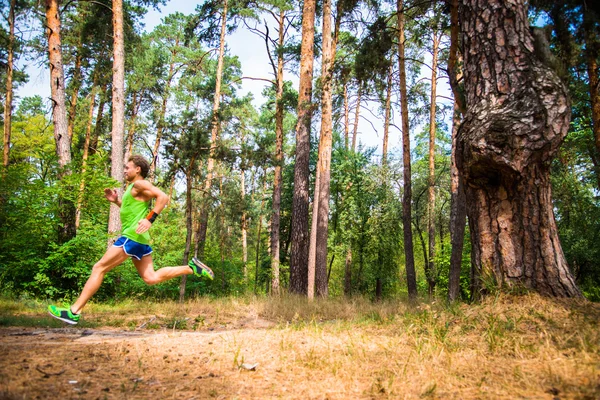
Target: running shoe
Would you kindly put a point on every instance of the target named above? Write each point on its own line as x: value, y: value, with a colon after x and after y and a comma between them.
x: 200, y: 269
x: 64, y: 314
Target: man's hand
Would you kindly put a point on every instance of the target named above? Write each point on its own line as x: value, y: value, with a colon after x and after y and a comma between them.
x: 111, y: 195
x: 143, y: 226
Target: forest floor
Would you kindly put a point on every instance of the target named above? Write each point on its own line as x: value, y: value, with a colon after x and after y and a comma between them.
x: 517, y: 347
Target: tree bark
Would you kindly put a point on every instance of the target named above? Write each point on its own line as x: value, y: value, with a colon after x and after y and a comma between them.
x: 411, y: 277
x: 9, y: 83
x: 136, y: 102
x: 458, y: 211
x: 458, y: 215
x: 66, y: 208
x: 277, y: 179
x: 517, y: 116
x: 84, y: 158
x: 76, y: 80
x: 118, y: 112
x: 214, y: 133
x: 388, y: 112
x: 189, y: 224
x: 430, y: 271
x: 99, y: 121
x: 299, y: 251
x: 591, y: 53
x: 356, y: 117
x: 346, y: 116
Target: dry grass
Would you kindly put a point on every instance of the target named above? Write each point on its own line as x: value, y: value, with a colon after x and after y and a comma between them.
x: 506, y: 347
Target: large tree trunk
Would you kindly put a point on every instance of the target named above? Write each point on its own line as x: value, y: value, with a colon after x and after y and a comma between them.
x: 66, y: 208
x: 517, y: 116
x: 277, y: 179
x: 118, y: 112
x: 458, y: 211
x: 411, y: 277
x: 322, y: 185
x: 214, y: 133
x: 9, y: 82
x: 299, y: 252
x: 430, y: 270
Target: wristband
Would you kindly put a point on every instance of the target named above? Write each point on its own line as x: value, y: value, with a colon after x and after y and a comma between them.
x: 151, y: 216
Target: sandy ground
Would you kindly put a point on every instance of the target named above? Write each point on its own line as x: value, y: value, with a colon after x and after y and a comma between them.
x: 259, y: 360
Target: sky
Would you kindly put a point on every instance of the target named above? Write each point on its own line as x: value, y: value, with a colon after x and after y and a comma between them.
x: 252, y: 54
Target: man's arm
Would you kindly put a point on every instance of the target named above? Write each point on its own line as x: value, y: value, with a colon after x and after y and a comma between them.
x: 147, y: 191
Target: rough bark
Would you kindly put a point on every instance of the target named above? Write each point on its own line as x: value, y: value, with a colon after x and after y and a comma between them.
x: 458, y: 211
x: 458, y: 215
x: 299, y: 251
x: 9, y: 83
x: 411, y: 277
x: 214, y: 133
x: 118, y: 112
x: 517, y: 116
x: 66, y: 208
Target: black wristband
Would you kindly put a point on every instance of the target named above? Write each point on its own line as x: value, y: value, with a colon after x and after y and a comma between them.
x: 151, y: 216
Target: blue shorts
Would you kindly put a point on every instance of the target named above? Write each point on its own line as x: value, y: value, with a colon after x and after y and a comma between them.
x: 133, y: 249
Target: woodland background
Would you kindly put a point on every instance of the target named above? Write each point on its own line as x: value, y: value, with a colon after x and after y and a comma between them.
x: 222, y: 159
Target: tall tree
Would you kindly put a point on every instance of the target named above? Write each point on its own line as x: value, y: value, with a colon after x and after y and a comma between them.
x: 118, y: 110
x: 411, y: 277
x: 299, y: 252
x: 66, y: 208
x: 518, y: 114
x: 9, y: 81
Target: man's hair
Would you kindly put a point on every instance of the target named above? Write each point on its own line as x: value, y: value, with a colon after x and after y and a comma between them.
x: 141, y: 162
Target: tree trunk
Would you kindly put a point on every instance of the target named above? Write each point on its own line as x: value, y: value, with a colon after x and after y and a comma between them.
x: 517, y: 116
x: 299, y: 252
x: 99, y: 120
x: 411, y: 277
x: 66, y: 208
x: 388, y: 111
x: 214, y: 132
x: 84, y: 158
x: 346, y: 116
x: 591, y: 53
x: 75, y: 95
x: 348, y: 272
x: 189, y: 228
x: 458, y: 211
x: 118, y: 112
x: 135, y: 107
x: 356, y: 116
x: 277, y: 180
x: 9, y: 83
x: 430, y: 271
x: 244, y: 218
x: 160, y: 128
x: 458, y: 215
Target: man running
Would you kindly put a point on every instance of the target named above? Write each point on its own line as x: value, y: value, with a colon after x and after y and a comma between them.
x: 134, y: 242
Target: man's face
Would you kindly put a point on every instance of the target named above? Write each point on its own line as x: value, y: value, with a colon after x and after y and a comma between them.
x: 131, y: 171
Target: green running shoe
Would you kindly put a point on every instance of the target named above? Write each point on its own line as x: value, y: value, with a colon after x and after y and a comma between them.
x: 64, y: 314
x: 200, y: 269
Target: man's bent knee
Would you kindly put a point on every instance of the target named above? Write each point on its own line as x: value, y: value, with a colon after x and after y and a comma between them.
x: 151, y: 280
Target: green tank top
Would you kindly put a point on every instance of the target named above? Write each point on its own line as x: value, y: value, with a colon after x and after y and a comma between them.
x: 132, y: 211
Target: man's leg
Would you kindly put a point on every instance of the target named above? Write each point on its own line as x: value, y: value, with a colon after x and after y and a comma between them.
x: 112, y: 258
x: 145, y: 268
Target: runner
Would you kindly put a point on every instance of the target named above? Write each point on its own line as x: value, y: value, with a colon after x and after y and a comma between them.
x: 134, y: 242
